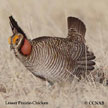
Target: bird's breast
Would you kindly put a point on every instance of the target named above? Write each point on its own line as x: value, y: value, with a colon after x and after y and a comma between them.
x: 48, y: 62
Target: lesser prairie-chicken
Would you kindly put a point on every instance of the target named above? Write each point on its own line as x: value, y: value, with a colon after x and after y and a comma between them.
x: 54, y: 59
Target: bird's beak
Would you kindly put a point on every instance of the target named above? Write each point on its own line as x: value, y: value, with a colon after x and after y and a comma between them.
x: 10, y: 42
x: 11, y: 47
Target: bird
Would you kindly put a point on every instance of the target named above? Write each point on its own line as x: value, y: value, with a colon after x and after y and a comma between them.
x: 54, y: 59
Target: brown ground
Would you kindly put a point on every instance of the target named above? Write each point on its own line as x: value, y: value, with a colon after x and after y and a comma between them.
x: 48, y: 17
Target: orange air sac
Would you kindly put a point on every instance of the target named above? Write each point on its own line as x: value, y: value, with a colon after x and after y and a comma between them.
x: 26, y: 48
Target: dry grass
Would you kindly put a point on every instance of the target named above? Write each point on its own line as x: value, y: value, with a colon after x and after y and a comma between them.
x: 48, y: 17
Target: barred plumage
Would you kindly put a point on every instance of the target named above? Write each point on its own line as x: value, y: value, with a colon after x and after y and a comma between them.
x: 52, y: 58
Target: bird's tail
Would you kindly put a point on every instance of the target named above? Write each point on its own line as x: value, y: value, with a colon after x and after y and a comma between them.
x: 76, y: 28
x: 85, y: 63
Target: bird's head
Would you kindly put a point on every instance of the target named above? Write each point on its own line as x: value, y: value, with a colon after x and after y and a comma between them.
x: 18, y: 41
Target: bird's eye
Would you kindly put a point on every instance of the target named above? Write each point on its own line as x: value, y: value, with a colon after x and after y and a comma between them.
x: 15, y: 39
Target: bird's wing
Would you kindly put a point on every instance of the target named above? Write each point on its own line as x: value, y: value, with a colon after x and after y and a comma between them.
x: 79, y: 54
x: 83, y: 59
x: 76, y: 29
